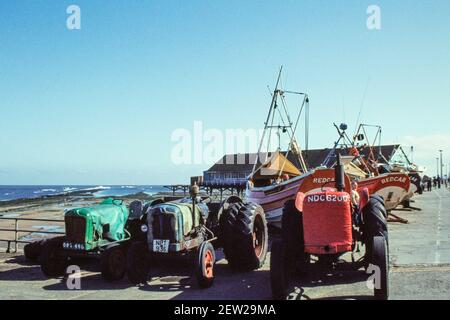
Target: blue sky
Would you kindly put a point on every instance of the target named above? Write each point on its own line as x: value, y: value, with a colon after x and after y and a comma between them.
x: 99, y: 105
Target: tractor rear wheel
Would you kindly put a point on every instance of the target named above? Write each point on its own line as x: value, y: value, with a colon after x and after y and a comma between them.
x: 380, y: 199
x: 52, y: 259
x: 380, y: 259
x: 279, y: 278
x: 292, y: 235
x: 204, y: 269
x: 375, y: 224
x: 138, y: 266
x: 243, y: 235
x: 113, y: 262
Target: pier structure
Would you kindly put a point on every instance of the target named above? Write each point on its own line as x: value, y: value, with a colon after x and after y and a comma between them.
x: 211, y: 189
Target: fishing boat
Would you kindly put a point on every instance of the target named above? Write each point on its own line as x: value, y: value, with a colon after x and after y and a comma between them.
x: 402, y: 163
x: 394, y: 186
x: 277, y: 175
x: 370, y: 171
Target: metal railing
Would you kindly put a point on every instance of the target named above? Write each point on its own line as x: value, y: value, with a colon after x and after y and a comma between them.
x: 17, y: 230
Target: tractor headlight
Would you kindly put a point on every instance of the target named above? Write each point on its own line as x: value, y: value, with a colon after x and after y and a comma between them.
x: 144, y: 228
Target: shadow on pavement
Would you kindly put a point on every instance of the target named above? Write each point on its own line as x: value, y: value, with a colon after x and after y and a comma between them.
x: 24, y: 273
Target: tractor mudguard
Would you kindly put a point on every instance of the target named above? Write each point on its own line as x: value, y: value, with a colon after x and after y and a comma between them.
x: 299, y: 198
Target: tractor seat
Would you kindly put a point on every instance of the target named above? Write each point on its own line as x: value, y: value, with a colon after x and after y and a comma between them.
x: 135, y: 210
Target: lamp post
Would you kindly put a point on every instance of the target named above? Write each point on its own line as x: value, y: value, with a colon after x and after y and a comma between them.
x: 440, y: 151
x: 437, y: 167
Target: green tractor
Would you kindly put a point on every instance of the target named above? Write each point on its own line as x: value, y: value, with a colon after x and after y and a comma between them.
x: 195, y: 227
x: 104, y: 231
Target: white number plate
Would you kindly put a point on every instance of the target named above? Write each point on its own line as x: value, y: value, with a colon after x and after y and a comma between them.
x: 161, y: 246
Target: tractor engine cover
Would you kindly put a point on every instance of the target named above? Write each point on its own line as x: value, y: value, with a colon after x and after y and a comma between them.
x: 327, y: 222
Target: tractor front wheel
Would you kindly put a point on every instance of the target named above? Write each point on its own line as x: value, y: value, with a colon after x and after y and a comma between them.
x: 33, y: 250
x: 279, y: 279
x: 113, y: 262
x: 204, y: 269
x: 380, y: 259
x: 52, y: 259
x: 138, y: 266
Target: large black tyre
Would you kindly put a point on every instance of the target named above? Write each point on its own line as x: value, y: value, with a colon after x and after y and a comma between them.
x: 244, y: 236
x: 380, y: 258
x: 204, y: 268
x: 279, y: 277
x: 33, y: 250
x: 113, y: 262
x: 380, y: 199
x: 292, y: 235
x: 374, y: 224
x: 53, y: 260
x: 138, y: 266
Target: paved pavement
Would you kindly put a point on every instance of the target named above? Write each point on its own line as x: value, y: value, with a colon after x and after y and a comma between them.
x: 420, y: 269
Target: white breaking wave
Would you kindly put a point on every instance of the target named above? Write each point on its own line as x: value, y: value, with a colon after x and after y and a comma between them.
x: 97, y: 188
x: 69, y: 189
x: 44, y: 190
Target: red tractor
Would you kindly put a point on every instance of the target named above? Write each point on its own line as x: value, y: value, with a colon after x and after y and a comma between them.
x: 326, y: 224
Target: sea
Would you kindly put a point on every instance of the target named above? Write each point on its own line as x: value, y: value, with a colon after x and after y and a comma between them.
x: 37, y: 191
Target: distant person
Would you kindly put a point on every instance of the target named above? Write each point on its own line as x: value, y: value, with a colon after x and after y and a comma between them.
x: 429, y: 184
x: 434, y: 182
x: 439, y: 182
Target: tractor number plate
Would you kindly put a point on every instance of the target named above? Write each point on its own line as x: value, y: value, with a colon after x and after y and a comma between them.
x: 161, y: 246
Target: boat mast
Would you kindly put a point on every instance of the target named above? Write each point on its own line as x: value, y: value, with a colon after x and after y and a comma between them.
x: 287, y: 127
x: 266, y: 124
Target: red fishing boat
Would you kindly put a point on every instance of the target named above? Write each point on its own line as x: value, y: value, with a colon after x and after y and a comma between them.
x: 392, y: 186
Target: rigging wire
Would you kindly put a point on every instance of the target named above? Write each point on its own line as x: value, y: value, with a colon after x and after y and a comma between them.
x: 362, y: 102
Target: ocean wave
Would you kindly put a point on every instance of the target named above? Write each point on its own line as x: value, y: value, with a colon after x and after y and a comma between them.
x: 44, y: 190
x: 97, y: 188
x: 67, y: 189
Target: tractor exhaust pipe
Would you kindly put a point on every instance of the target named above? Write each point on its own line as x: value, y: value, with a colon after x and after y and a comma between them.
x: 339, y: 175
x: 194, y: 191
